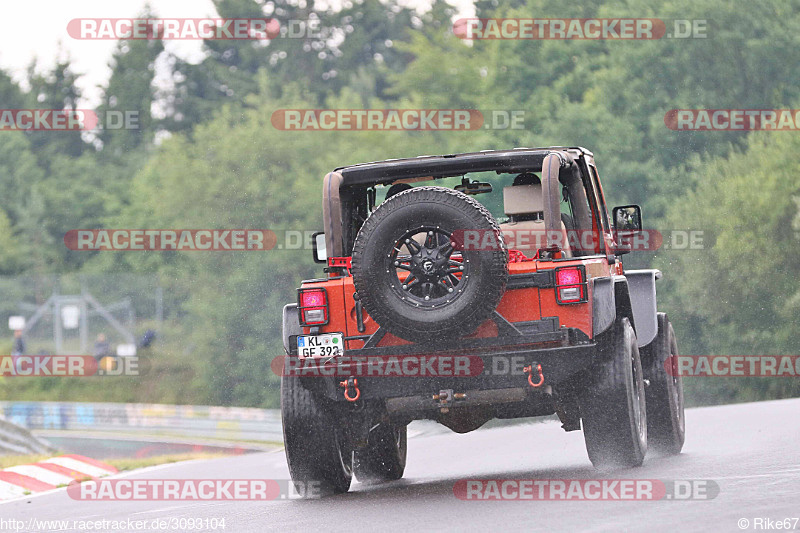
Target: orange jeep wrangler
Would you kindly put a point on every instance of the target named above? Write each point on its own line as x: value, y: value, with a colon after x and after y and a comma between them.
x: 438, y: 306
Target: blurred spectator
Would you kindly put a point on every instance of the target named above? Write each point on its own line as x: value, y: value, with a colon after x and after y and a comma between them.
x: 101, y: 347
x: 19, y: 343
x: 18, y: 347
x: 147, y: 339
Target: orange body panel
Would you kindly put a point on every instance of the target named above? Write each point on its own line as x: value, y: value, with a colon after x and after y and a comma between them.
x: 519, y: 305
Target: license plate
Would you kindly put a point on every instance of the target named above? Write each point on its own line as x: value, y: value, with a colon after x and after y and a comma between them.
x: 325, y: 345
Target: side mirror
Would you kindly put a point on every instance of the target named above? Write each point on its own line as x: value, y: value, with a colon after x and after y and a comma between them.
x: 319, y: 247
x: 627, y: 222
x: 627, y: 218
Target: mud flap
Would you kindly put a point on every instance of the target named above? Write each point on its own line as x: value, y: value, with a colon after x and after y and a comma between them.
x: 604, y: 309
x: 291, y: 325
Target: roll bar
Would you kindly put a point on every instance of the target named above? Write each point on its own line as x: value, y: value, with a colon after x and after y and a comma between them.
x: 552, y: 164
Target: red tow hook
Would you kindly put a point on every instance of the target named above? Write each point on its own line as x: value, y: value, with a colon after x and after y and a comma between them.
x: 529, y: 370
x: 348, y: 384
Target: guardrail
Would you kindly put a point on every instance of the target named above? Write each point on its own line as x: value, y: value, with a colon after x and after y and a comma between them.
x: 19, y: 441
x: 231, y: 423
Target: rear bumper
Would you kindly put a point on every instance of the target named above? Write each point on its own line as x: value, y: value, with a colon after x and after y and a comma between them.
x: 408, y: 371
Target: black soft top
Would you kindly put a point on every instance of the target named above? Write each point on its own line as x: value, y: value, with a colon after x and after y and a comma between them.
x: 440, y: 166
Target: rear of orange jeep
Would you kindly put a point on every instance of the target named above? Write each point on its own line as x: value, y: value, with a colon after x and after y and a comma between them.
x: 444, y: 302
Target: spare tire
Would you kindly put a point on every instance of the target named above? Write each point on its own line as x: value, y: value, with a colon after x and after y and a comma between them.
x: 408, y: 275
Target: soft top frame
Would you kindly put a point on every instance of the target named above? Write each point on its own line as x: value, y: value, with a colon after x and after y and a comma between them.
x: 440, y: 166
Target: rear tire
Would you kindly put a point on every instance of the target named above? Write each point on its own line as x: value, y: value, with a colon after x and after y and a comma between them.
x: 407, y: 275
x: 384, y: 458
x: 313, y: 446
x: 613, y: 410
x: 666, y: 424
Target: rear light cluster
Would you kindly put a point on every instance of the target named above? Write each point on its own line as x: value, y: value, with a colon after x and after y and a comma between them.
x: 571, y: 285
x: 312, y: 304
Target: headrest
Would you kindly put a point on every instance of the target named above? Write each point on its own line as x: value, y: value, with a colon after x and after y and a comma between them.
x: 523, y: 199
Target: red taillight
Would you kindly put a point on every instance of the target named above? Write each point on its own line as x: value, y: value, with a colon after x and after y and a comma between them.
x: 312, y: 304
x: 568, y: 276
x: 570, y: 285
x: 312, y: 298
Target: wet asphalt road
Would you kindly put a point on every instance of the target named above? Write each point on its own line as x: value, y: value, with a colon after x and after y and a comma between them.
x: 751, y: 451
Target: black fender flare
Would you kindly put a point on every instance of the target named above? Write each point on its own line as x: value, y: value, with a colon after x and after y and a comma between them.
x: 611, y: 299
x: 632, y: 296
x: 604, y: 307
x: 642, y: 296
x: 622, y: 298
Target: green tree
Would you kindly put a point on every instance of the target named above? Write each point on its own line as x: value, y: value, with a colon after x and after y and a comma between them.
x: 10, y: 93
x: 130, y: 89
x: 55, y: 89
x: 14, y: 258
x: 611, y: 96
x: 738, y: 295
x: 321, y: 51
x: 18, y: 172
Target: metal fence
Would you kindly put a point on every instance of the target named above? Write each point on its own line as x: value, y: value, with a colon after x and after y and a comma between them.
x: 121, y: 307
x: 17, y: 440
x: 224, y: 423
